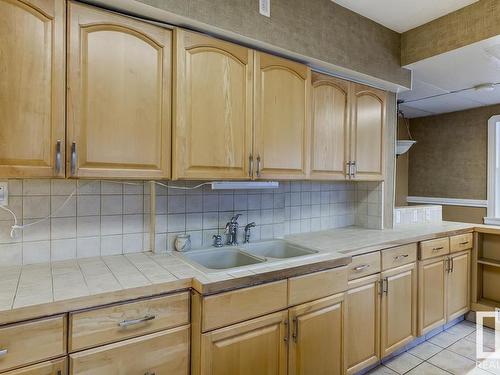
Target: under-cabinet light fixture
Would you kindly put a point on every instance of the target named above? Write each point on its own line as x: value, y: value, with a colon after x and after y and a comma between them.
x: 238, y: 185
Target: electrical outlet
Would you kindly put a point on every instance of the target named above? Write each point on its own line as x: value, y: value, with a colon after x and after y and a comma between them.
x: 265, y: 7
x: 4, y: 194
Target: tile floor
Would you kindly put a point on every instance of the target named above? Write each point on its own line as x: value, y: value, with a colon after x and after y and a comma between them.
x: 452, y: 351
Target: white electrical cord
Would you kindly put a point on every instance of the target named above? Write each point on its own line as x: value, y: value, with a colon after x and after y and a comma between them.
x: 21, y: 227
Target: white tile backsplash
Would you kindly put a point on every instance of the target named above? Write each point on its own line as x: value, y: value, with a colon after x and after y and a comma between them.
x: 420, y: 214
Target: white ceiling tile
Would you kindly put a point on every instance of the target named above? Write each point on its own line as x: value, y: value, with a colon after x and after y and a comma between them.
x: 403, y: 15
x: 484, y: 97
x: 411, y: 112
x: 444, y: 103
x: 421, y: 90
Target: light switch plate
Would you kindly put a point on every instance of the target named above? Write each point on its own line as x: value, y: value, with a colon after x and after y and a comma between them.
x: 4, y: 194
x: 265, y: 7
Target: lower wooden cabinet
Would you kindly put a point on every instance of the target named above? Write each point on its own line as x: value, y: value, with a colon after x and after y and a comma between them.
x: 362, y: 324
x: 55, y: 367
x: 398, y: 308
x: 162, y: 353
x: 444, y: 290
x: 257, y: 346
x: 316, y: 337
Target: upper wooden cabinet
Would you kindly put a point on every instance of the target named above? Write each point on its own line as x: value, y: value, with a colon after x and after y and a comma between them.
x: 213, y: 108
x: 330, y: 127
x: 32, y: 51
x: 118, y: 113
x: 367, y: 133
x: 281, y: 145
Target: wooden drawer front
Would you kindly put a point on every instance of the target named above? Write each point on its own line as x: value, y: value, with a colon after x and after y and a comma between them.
x: 461, y: 242
x: 223, y: 309
x: 364, y: 265
x: 33, y: 341
x: 434, y: 248
x: 398, y: 256
x: 165, y: 352
x: 55, y: 367
x: 109, y: 324
x: 316, y: 285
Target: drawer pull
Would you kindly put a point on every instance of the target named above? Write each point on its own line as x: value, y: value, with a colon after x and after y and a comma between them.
x: 361, y: 267
x: 3, y: 352
x: 131, y: 322
x: 436, y: 249
x: 399, y: 257
x: 464, y: 243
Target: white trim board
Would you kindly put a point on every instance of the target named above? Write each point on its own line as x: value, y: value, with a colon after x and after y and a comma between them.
x: 492, y: 157
x: 448, y: 201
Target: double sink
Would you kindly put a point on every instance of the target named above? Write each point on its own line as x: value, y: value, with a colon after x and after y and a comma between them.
x: 250, y: 254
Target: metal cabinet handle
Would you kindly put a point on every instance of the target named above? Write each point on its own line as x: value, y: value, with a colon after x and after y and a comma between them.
x: 250, y: 165
x: 402, y: 256
x: 73, y: 159
x: 3, y: 352
x: 348, y: 169
x: 149, y: 373
x: 436, y: 249
x: 381, y: 287
x: 131, y: 322
x: 361, y: 267
x: 354, y: 169
x: 464, y: 243
x: 58, y: 156
x: 385, y: 286
x: 258, y: 165
x: 295, y: 334
x: 452, y: 262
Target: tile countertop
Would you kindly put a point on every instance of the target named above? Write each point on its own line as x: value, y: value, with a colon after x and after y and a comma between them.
x: 36, y: 290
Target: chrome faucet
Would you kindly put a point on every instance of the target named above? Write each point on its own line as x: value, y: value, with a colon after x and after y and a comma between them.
x: 247, y: 231
x: 231, y: 230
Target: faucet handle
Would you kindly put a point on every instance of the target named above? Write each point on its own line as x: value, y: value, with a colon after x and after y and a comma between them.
x: 217, y: 240
x: 235, y: 218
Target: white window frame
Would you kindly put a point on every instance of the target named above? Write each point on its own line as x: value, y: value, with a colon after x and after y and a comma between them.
x: 493, y: 212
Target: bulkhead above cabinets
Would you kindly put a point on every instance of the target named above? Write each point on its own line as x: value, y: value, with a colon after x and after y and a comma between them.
x: 143, y: 101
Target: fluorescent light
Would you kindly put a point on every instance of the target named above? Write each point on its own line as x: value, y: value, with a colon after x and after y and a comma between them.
x: 238, y: 185
x: 402, y: 147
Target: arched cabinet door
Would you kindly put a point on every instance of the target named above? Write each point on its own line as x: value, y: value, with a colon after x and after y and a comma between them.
x: 32, y: 74
x: 330, y: 127
x: 282, y: 122
x: 214, y: 113
x: 367, y: 132
x: 119, y: 84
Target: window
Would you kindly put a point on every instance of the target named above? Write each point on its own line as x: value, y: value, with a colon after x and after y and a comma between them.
x: 493, y: 214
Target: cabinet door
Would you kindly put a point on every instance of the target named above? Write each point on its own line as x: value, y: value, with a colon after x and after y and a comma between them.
x: 55, y: 367
x: 399, y: 308
x: 367, y: 133
x: 253, y: 347
x: 431, y: 294
x: 214, y: 111
x: 281, y: 117
x: 119, y: 96
x: 32, y: 51
x: 162, y: 353
x: 362, y: 324
x: 317, y: 339
x: 329, y: 127
x: 458, y: 288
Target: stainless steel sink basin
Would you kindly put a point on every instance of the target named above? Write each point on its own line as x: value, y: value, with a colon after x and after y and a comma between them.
x: 276, y: 249
x: 222, y: 259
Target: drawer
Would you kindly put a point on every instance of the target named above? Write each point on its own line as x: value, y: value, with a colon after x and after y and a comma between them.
x: 54, y: 367
x: 364, y: 265
x: 461, y: 242
x: 165, y: 352
x: 34, y: 341
x: 223, y: 309
x: 316, y: 285
x: 398, y: 256
x: 434, y: 248
x: 122, y: 321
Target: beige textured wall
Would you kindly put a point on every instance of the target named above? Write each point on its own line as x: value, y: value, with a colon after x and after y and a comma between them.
x: 449, y: 159
x: 478, y: 21
x: 464, y: 214
x: 318, y: 29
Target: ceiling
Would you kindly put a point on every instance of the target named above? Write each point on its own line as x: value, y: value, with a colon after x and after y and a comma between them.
x: 403, y: 15
x: 443, y: 83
